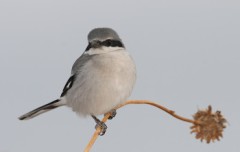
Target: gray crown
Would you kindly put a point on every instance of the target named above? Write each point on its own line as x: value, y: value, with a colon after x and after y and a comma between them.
x: 102, y: 34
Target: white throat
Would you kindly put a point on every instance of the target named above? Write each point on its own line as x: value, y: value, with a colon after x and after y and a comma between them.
x: 102, y: 50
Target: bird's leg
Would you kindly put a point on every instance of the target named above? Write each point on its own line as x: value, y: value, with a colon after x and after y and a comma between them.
x: 100, y: 124
x: 113, y: 113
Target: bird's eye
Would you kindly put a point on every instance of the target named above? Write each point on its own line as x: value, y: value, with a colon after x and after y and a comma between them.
x: 109, y: 42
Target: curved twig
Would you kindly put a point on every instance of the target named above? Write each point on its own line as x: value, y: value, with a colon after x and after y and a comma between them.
x: 96, y: 134
x: 98, y: 130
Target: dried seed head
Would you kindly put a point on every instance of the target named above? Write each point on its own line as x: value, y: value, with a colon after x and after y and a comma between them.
x: 209, y: 125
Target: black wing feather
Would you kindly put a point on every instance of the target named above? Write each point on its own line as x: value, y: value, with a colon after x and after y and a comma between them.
x: 83, y: 59
x: 68, y: 85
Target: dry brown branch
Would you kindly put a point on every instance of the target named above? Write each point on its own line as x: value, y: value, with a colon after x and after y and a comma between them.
x: 195, y: 122
x: 98, y: 130
x: 158, y: 106
x: 96, y: 134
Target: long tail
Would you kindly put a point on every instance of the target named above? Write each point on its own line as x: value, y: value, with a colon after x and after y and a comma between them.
x: 42, y: 109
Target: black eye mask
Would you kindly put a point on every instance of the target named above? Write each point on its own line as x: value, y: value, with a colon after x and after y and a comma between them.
x: 107, y: 43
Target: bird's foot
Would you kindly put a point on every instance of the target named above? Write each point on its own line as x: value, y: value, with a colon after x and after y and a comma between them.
x: 101, y: 125
x: 113, y: 113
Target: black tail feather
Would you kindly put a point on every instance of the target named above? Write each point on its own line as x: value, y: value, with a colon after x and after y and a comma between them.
x: 52, y: 105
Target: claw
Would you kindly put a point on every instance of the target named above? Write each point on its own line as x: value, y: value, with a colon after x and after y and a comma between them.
x: 113, y: 114
x: 101, y: 125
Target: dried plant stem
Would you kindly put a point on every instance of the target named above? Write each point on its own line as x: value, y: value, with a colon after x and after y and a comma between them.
x: 96, y: 134
x: 98, y: 130
x: 158, y: 106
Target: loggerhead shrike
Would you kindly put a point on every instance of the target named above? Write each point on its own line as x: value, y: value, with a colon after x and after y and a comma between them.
x: 102, y: 78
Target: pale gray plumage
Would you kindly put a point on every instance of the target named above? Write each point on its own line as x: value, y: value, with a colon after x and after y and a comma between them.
x: 102, y: 34
x: 79, y: 63
x: 101, y: 78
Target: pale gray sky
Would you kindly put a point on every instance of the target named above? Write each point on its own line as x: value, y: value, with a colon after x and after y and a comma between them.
x: 187, y: 54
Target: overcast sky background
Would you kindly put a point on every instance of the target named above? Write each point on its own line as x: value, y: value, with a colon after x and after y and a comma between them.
x: 187, y: 55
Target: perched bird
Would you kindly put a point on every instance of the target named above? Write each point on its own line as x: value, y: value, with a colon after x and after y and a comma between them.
x: 101, y: 78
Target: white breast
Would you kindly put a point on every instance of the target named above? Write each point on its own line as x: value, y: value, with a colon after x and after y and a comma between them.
x: 104, y: 82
